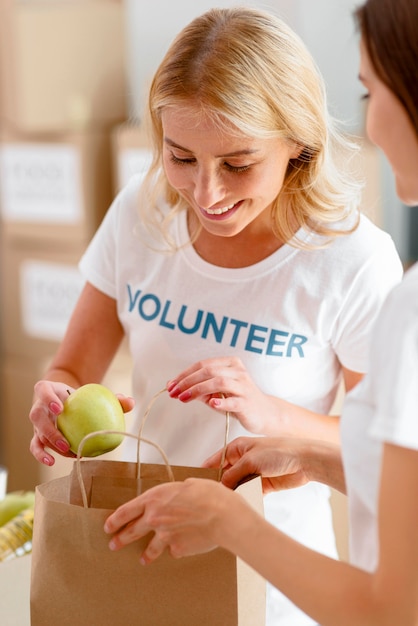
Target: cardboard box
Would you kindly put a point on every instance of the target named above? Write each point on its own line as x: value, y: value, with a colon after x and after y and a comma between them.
x: 39, y: 291
x: 55, y: 189
x: 17, y: 380
x: 62, y: 64
x: 131, y: 153
x: 18, y: 376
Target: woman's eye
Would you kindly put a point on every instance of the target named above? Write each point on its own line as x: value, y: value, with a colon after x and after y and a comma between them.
x: 365, y: 96
x: 177, y: 161
x: 191, y: 160
x: 237, y: 168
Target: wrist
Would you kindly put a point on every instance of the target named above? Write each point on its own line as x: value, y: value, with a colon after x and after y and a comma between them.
x: 321, y: 462
x: 237, y: 522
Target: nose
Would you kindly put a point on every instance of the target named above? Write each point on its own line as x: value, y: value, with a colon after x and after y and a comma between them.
x: 208, y: 187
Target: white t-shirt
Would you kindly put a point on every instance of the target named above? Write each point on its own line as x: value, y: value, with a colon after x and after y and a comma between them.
x: 383, y: 408
x: 293, y: 319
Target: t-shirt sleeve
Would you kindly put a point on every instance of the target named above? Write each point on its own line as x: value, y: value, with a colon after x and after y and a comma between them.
x: 394, y: 369
x: 378, y: 274
x: 98, y: 265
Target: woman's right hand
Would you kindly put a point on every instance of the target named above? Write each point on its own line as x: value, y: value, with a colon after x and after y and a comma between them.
x: 282, y: 462
x: 48, y: 403
x: 49, y: 398
x: 278, y: 460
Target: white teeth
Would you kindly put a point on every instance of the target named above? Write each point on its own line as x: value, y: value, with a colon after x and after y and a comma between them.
x: 219, y: 211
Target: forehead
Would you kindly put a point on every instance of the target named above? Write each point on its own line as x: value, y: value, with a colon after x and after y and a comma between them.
x: 366, y: 67
x: 191, y: 116
x: 185, y: 122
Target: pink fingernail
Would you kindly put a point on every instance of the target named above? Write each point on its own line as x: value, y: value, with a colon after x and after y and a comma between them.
x: 47, y: 461
x: 55, y: 408
x: 175, y: 391
x: 186, y: 395
x: 62, y: 445
x: 171, y: 385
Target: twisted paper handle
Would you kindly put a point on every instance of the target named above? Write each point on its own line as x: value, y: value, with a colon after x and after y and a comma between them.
x: 147, y: 411
x: 115, y: 432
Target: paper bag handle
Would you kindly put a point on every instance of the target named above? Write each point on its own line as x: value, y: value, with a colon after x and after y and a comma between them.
x: 146, y: 413
x: 115, y: 432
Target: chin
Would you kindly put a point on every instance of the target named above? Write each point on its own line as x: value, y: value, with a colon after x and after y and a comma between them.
x: 409, y: 197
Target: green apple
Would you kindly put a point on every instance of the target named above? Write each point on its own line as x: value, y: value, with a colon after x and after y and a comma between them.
x: 13, y: 503
x: 90, y: 408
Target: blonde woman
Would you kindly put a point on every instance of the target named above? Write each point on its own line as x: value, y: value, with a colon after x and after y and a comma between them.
x: 240, y: 269
x: 379, y: 464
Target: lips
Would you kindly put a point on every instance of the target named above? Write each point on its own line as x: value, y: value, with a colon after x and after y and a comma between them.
x: 221, y: 212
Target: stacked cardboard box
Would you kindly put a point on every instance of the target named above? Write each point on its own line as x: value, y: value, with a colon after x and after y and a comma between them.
x: 62, y: 91
x: 131, y: 153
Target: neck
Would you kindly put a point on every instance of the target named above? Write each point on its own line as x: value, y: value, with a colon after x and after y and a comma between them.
x: 248, y: 247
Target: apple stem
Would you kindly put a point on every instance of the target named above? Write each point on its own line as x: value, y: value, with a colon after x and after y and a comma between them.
x: 69, y: 392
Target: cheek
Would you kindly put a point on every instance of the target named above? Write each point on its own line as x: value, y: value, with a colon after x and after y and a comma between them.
x: 372, y: 127
x: 176, y: 175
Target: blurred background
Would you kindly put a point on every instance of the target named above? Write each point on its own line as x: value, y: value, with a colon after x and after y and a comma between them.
x: 74, y: 76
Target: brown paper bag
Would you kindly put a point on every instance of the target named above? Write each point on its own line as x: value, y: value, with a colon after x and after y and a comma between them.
x: 76, y: 579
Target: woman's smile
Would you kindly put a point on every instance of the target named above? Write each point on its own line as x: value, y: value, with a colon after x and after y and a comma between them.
x: 221, y: 212
x: 229, y: 180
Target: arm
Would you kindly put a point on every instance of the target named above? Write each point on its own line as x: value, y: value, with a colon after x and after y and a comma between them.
x: 90, y: 343
x: 198, y: 515
x: 258, y: 412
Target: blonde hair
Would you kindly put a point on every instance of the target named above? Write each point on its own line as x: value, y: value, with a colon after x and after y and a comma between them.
x: 247, y: 68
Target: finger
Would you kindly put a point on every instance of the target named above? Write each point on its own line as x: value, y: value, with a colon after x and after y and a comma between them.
x: 125, y: 514
x: 127, y: 402
x: 214, y: 363
x: 214, y: 460
x: 236, y: 474
x: 153, y: 550
x: 173, y: 385
x: 128, y: 534
x: 207, y: 377
x: 194, y: 385
x: 53, y: 438
x: 50, y: 393
x: 234, y: 451
x: 39, y: 452
x: 226, y: 403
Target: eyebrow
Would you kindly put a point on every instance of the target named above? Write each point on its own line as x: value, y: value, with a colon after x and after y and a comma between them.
x: 245, y: 151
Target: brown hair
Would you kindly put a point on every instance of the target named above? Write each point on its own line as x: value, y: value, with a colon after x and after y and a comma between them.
x: 389, y: 32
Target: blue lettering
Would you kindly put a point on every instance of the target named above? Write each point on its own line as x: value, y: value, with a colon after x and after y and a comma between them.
x: 154, y: 313
x: 163, y: 321
x: 132, y: 301
x: 253, y: 337
x: 273, y: 341
x: 258, y: 339
x: 217, y: 331
x: 193, y: 329
x: 238, y: 325
x: 296, y: 341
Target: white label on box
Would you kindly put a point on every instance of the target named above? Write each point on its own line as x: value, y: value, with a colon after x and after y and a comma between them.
x: 132, y: 161
x: 49, y: 292
x: 40, y: 183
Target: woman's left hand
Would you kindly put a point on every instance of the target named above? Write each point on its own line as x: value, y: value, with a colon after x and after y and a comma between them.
x: 186, y: 518
x: 225, y: 385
